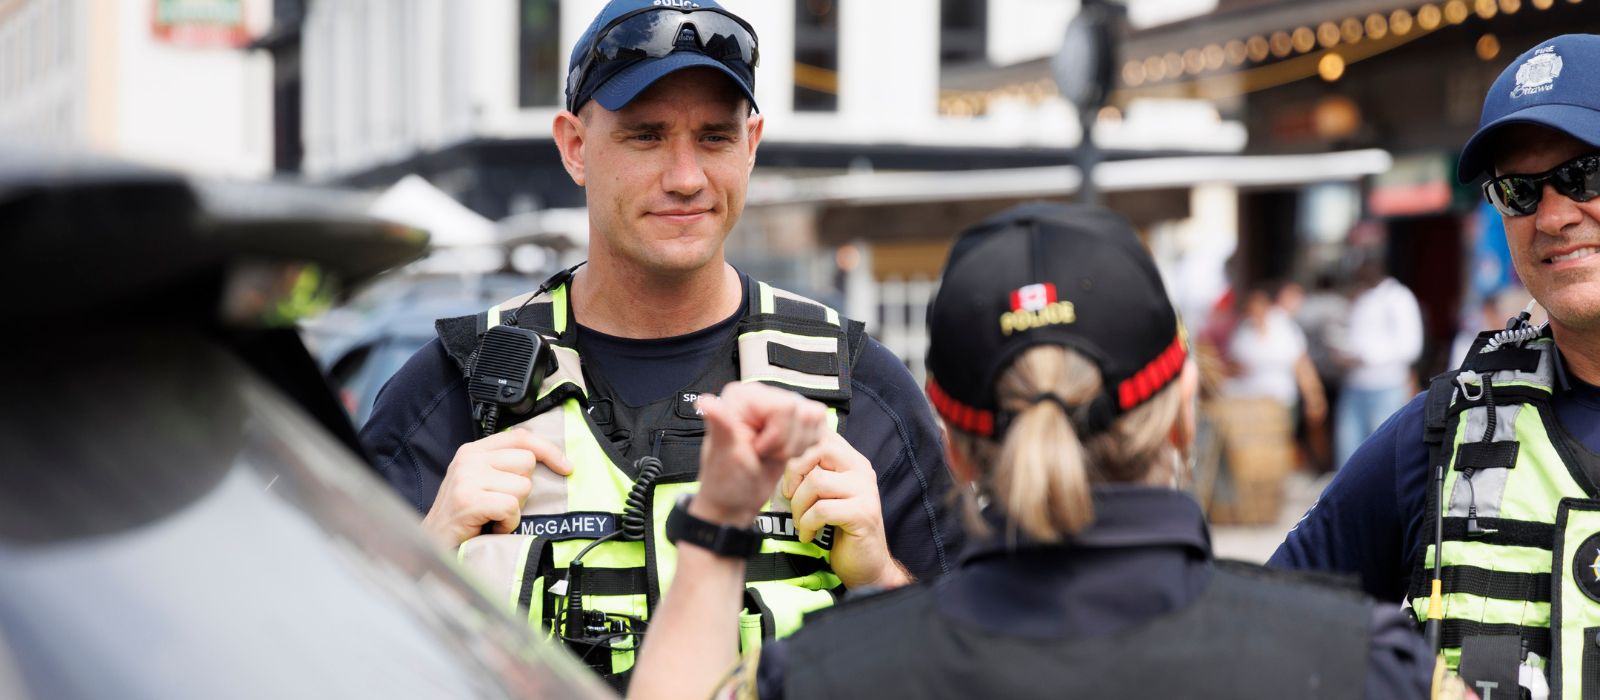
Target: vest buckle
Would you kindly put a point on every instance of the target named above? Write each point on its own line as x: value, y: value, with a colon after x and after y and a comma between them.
x: 1469, y: 380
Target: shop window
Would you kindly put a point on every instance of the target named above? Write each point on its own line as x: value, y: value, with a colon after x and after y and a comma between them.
x: 816, y: 55
x: 541, y: 69
x: 963, y: 31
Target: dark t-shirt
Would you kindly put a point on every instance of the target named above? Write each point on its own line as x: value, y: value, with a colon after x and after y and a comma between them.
x: 1372, y: 519
x: 422, y: 416
x: 645, y: 371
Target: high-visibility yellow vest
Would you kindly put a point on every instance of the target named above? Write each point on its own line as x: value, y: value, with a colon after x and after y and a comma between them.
x: 1521, y: 524
x: 784, y: 340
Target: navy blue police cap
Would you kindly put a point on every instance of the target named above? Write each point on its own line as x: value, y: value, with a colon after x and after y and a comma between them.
x: 620, y: 89
x: 1554, y: 85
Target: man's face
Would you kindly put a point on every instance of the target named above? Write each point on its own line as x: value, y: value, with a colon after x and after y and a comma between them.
x: 1568, y: 288
x: 666, y: 176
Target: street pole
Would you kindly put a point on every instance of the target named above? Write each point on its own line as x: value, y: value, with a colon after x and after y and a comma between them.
x: 1087, y: 155
x: 1084, y: 70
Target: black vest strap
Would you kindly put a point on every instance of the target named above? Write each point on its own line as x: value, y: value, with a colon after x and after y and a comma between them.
x: 1487, y: 455
x: 779, y: 566
x: 1510, y: 358
x: 803, y: 361
x: 599, y: 581
x: 1453, y: 631
x: 1512, y: 533
x: 536, y: 565
x: 753, y: 601
x: 855, y: 338
x: 1504, y: 585
x: 536, y: 317
x: 1436, y: 414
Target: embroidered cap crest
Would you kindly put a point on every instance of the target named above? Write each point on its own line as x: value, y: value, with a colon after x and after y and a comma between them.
x: 1538, y: 74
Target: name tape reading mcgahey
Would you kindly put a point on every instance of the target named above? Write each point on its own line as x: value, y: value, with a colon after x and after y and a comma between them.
x: 569, y: 526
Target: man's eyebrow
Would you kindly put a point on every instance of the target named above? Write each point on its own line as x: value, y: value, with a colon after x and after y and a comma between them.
x: 643, y: 126
x: 729, y: 127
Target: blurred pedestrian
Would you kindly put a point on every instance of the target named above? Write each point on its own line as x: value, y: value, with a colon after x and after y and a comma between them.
x: 1268, y: 356
x: 1093, y: 574
x: 1322, y: 317
x: 1475, y: 504
x: 661, y: 132
x: 1382, y: 338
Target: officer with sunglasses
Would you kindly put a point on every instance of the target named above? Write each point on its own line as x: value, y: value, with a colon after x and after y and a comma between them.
x: 1476, y: 505
x: 565, y: 505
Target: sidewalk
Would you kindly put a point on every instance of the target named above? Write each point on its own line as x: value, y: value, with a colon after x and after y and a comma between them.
x: 1255, y: 543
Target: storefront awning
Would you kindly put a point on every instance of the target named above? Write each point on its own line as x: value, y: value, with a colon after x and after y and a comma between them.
x: 877, y: 188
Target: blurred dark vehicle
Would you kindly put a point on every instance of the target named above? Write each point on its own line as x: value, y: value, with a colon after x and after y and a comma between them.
x: 360, y: 345
x: 181, y: 511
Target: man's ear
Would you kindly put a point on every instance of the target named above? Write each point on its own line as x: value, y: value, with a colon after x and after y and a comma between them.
x: 753, y: 127
x: 570, y: 132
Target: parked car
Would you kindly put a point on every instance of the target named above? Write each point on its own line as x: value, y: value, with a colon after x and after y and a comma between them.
x: 182, y: 512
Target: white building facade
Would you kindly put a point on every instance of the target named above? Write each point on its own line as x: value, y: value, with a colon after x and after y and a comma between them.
x: 388, y: 78
x: 947, y: 93
x: 112, y: 76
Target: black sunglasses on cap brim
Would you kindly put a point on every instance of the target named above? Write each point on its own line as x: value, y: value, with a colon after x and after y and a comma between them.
x: 1519, y: 195
x: 655, y: 32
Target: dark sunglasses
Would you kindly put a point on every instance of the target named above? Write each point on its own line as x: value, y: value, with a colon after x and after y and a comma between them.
x: 1518, y: 195
x: 654, y: 32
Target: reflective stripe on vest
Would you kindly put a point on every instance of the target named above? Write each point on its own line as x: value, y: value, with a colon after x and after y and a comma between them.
x: 788, y: 336
x: 1513, y: 580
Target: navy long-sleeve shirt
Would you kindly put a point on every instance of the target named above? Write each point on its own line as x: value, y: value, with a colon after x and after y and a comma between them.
x: 1372, y: 520
x: 422, y: 416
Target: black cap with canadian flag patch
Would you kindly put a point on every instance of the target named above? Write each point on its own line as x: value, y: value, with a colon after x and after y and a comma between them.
x: 1058, y: 274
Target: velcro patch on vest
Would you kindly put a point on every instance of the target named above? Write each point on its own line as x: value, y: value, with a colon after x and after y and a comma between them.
x: 688, y: 406
x: 1586, y: 567
x: 577, y: 525
x: 1501, y: 454
x: 826, y: 363
x: 1514, y: 359
x: 780, y: 526
x: 1489, y: 662
x: 600, y: 411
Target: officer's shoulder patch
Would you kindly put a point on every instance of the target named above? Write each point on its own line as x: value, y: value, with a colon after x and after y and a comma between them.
x: 1586, y: 567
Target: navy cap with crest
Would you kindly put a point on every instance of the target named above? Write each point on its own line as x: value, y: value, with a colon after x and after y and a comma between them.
x: 617, y: 90
x: 1555, y: 84
x: 1039, y: 274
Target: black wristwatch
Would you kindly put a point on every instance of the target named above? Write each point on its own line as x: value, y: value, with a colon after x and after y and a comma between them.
x: 722, y: 540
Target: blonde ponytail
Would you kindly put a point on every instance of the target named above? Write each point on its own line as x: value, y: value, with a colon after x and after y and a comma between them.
x: 1040, y: 476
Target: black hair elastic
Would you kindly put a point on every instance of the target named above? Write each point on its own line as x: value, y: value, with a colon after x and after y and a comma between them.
x: 1087, y: 419
x: 1053, y: 398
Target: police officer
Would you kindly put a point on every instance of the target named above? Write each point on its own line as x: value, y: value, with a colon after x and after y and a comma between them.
x: 1496, y: 460
x: 1062, y: 374
x: 561, y: 516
